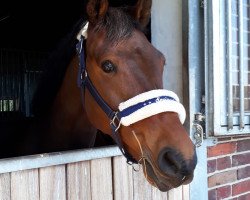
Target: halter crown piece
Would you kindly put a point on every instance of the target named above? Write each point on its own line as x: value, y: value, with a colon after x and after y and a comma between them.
x: 135, y: 109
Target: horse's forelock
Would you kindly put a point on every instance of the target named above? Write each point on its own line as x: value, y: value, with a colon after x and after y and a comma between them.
x: 118, y: 24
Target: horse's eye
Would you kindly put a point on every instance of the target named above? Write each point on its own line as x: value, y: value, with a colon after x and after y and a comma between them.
x: 108, y: 66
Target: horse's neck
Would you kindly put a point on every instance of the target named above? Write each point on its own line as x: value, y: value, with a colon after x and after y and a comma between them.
x: 68, y: 120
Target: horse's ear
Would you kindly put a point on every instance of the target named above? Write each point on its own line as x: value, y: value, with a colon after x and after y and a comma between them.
x: 96, y: 10
x: 142, y: 11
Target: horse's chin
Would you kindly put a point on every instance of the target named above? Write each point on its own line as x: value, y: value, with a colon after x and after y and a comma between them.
x: 160, y: 180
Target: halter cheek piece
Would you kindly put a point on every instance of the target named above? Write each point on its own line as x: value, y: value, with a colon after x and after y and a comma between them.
x: 131, y: 111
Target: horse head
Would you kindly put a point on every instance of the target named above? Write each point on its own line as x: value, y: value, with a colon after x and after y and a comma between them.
x: 124, y: 70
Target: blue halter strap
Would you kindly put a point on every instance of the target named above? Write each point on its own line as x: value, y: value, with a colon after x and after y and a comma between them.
x: 114, y: 116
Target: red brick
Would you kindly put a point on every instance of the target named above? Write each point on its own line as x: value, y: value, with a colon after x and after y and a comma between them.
x: 241, y: 159
x: 221, y: 149
x: 224, y: 192
x: 222, y: 178
x: 241, y: 187
x: 243, y: 145
x: 212, y: 194
x: 243, y: 173
x: 223, y: 163
x: 211, y: 166
x: 244, y: 197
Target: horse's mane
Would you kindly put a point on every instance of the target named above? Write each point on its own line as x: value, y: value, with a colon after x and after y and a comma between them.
x: 118, y: 25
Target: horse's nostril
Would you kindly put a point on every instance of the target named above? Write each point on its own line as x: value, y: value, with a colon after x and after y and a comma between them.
x: 172, y: 163
x: 169, y: 163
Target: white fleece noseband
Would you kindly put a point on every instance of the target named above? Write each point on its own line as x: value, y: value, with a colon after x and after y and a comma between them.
x: 148, y: 104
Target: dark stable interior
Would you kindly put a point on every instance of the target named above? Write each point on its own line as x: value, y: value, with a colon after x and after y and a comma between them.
x: 34, y: 26
x: 40, y: 25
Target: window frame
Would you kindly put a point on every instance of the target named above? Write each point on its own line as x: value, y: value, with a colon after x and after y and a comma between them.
x: 217, y: 123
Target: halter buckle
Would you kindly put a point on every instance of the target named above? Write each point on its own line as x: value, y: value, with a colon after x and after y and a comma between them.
x: 115, y: 122
x: 85, y: 75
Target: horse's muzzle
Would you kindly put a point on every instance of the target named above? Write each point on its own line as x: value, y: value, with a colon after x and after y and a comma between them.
x: 172, y: 170
x: 173, y: 164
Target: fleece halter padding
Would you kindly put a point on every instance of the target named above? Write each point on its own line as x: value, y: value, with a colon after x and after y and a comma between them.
x: 148, y: 104
x: 83, y: 32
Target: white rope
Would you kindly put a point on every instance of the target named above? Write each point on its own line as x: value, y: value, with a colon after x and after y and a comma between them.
x: 143, y: 159
x: 142, y: 156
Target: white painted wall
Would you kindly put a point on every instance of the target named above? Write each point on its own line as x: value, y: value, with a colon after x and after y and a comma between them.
x: 166, y: 23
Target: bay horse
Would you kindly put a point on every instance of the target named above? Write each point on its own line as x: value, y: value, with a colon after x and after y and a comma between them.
x: 119, y: 91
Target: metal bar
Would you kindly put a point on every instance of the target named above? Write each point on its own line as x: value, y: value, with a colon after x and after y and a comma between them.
x: 17, y: 80
x: 12, y: 78
x: 229, y: 67
x: 24, y: 82
x: 208, y: 95
x: 7, y: 85
x: 58, y: 158
x: 241, y: 64
x: 16, y: 75
x: 1, y: 81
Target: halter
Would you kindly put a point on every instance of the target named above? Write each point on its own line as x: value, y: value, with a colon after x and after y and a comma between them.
x: 131, y: 111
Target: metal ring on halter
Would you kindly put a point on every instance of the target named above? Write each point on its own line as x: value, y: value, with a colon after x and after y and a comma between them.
x: 114, y: 120
x: 139, y: 164
x: 136, y: 170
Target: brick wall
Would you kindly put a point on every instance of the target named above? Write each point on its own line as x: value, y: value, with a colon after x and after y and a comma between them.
x: 229, y: 169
